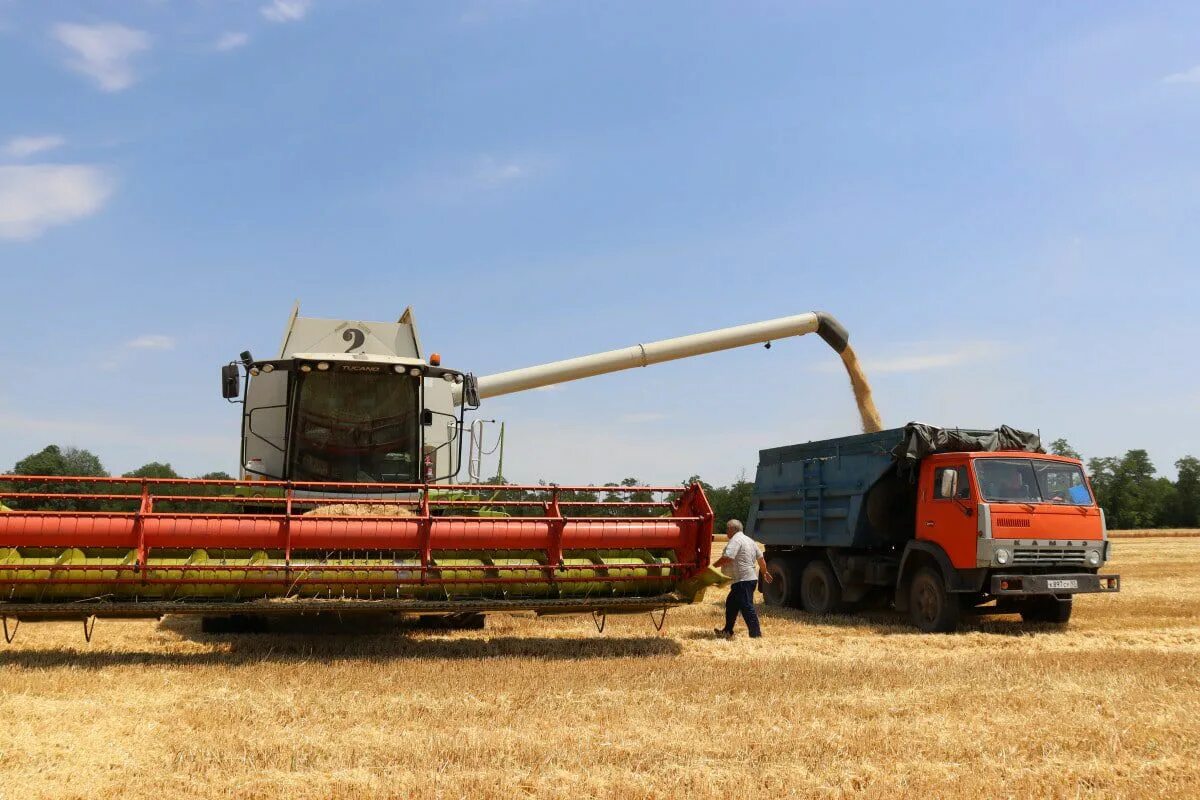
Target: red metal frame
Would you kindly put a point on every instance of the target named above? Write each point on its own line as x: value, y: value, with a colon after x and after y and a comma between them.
x: 685, y: 528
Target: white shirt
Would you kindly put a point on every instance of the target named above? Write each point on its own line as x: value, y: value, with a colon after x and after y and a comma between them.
x: 744, y: 552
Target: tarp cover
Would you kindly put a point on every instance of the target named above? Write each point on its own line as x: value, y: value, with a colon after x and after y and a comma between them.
x: 921, y: 440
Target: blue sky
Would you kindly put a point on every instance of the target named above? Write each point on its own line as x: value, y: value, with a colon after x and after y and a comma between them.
x: 999, y: 201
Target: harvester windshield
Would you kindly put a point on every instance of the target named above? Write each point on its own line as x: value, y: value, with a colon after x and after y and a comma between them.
x: 355, y: 426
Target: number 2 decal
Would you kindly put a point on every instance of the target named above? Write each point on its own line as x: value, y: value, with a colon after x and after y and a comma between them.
x: 355, y: 336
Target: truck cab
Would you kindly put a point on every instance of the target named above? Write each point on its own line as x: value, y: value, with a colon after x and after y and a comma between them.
x: 1006, y: 509
x: 937, y: 523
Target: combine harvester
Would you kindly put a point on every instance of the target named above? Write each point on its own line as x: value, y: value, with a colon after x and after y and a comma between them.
x: 352, y: 415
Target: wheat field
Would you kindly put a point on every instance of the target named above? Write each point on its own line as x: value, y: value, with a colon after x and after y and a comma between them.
x: 833, y: 707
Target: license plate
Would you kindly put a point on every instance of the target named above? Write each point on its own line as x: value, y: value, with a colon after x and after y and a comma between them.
x: 1062, y: 583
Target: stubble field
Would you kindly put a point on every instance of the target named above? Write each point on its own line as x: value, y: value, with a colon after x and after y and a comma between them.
x: 841, y: 706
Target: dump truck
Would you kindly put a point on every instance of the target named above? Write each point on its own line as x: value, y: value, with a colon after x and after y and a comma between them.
x: 356, y: 416
x: 937, y: 522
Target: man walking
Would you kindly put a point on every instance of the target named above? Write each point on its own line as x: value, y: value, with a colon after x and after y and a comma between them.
x: 743, y: 554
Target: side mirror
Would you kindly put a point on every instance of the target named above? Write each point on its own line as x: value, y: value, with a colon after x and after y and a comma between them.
x: 426, y: 417
x: 231, y: 381
x: 470, y: 390
x: 949, y: 483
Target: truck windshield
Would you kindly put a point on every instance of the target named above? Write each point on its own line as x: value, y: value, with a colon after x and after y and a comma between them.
x: 1062, y: 483
x: 1031, y: 480
x: 355, y: 427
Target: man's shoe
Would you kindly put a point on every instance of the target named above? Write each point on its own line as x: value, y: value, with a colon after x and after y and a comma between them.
x: 722, y: 633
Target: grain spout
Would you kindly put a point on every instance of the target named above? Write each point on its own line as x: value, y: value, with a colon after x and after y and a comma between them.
x: 862, y: 392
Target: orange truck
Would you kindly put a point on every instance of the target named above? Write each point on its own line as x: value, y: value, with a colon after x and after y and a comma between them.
x: 937, y: 522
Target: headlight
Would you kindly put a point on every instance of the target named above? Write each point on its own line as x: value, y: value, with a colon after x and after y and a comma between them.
x: 415, y: 372
x: 1002, y: 556
x: 1093, y: 558
x: 268, y: 368
x: 322, y: 365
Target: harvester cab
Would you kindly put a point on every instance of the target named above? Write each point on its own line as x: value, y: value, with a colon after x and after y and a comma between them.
x: 349, y: 402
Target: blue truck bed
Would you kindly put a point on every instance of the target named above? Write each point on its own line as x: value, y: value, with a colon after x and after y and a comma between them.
x: 852, y: 491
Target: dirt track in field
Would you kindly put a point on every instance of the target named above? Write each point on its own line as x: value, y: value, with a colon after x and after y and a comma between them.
x: 833, y: 707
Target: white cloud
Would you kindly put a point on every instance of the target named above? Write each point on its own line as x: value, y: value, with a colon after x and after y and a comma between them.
x: 152, y: 341
x: 491, y: 172
x: 35, y: 197
x: 232, y: 41
x: 639, y: 417
x: 25, y: 146
x: 103, y: 52
x: 1187, y: 76
x: 922, y: 357
x: 481, y: 11
x: 484, y: 176
x: 286, y: 10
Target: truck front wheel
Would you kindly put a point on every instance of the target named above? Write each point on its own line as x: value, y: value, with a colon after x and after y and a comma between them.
x: 783, y: 589
x: 1048, y: 609
x: 933, y: 608
x: 820, y: 592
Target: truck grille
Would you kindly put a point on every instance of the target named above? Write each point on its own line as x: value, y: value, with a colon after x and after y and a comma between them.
x: 1048, y: 555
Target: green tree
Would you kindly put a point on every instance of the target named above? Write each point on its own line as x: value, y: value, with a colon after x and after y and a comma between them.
x: 154, y: 469
x: 1187, y: 493
x: 1137, y: 498
x: 565, y: 499
x: 53, y: 460
x: 1061, y: 447
x: 1102, y: 472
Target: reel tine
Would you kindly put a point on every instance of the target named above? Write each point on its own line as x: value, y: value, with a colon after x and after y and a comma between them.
x: 662, y: 619
x: 600, y: 619
x: 8, y: 637
x: 87, y: 631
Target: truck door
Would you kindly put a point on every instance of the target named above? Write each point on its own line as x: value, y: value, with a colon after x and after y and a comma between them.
x: 945, y: 514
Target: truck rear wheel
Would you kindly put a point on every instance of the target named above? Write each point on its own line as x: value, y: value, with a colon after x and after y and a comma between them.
x: 932, y: 607
x: 1048, y: 609
x: 783, y: 590
x: 820, y: 592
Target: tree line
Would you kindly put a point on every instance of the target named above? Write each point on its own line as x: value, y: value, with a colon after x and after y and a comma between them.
x: 1133, y: 495
x: 1127, y: 487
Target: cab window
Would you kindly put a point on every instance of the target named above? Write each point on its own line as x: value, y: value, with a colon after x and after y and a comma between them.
x: 951, y: 483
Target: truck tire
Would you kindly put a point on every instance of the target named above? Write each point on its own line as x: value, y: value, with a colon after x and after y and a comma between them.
x: 1048, y: 609
x: 820, y: 592
x: 932, y: 608
x: 784, y: 590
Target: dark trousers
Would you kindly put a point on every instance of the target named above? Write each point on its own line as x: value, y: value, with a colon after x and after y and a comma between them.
x: 741, y: 601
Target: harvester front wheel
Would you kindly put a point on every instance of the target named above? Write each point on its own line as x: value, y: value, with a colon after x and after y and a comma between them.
x: 820, y: 592
x: 1048, y: 609
x: 933, y: 608
x: 783, y: 590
